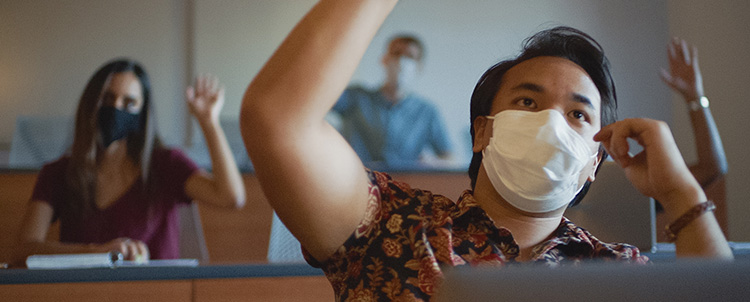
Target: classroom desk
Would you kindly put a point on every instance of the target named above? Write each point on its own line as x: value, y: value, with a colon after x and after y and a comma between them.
x: 248, y: 282
x: 245, y: 282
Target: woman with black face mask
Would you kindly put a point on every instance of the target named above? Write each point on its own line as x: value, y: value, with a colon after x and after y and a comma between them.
x: 119, y: 188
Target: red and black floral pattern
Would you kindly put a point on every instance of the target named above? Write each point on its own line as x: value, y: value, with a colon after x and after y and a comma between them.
x: 407, y: 235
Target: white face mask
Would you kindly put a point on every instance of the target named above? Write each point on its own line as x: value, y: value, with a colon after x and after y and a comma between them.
x: 534, y: 159
x: 405, y: 73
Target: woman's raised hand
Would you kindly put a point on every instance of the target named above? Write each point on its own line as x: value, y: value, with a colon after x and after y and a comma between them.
x: 205, y: 98
x: 684, y: 75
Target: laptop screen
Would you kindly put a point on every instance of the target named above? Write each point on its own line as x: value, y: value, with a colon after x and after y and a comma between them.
x: 599, y: 281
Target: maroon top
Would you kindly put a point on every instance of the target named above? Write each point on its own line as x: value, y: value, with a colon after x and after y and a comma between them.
x: 129, y: 215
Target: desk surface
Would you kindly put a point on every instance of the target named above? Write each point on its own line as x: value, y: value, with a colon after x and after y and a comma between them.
x: 25, y: 276
x: 665, y: 254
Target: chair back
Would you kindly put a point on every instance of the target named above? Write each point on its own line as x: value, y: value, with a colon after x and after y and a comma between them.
x: 39, y: 139
x: 283, y: 247
x: 192, y: 241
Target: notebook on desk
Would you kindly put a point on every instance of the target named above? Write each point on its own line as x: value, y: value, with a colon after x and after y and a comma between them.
x: 677, y: 281
x: 99, y: 260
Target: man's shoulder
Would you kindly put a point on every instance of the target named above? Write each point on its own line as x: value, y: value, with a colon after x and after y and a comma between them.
x: 355, y: 97
x: 360, y: 90
x: 416, y: 100
x: 416, y: 97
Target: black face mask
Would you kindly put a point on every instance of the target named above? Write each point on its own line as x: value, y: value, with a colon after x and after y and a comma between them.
x: 115, y: 124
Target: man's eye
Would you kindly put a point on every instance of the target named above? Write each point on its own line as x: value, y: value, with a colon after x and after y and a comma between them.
x: 579, y: 115
x: 526, y: 102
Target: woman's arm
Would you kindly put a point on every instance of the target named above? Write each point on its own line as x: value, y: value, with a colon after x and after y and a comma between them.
x: 33, y: 234
x: 224, y: 186
x: 308, y: 172
x: 684, y: 76
x: 660, y: 172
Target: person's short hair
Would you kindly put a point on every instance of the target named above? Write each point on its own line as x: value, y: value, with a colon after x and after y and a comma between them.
x: 411, y: 39
x: 563, y: 42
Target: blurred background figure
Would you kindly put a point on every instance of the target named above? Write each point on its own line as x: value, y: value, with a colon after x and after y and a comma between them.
x: 119, y: 188
x: 392, y: 126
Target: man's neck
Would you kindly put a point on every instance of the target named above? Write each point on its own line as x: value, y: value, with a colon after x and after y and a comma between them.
x: 392, y: 92
x: 528, y: 229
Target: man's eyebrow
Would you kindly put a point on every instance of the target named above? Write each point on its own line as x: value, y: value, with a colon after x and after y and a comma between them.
x: 528, y: 86
x: 577, y: 97
x: 583, y: 100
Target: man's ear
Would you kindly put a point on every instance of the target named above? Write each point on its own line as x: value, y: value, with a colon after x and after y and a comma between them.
x: 592, y: 175
x: 482, y: 133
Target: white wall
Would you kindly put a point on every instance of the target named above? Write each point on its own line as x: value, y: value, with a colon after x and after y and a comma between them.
x: 51, y: 48
x: 721, y: 31
x: 463, y: 38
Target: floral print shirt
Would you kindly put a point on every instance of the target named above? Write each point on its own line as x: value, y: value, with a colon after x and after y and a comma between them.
x: 407, y: 235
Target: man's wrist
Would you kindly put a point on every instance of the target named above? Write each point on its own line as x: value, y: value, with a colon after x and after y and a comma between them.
x: 698, y: 103
x: 677, y: 203
x: 696, y: 211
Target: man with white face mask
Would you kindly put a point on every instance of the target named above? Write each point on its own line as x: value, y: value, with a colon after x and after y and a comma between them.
x: 541, y: 125
x: 393, y: 127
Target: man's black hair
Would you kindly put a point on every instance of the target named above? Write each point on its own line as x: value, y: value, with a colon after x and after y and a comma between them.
x: 410, y: 39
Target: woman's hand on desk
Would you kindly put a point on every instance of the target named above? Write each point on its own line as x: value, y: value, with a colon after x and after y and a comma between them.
x: 132, y: 250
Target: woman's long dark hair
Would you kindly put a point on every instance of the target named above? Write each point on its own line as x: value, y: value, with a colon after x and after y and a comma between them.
x: 81, y: 172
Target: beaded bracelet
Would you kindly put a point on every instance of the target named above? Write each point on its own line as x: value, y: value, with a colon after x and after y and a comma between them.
x: 688, y: 217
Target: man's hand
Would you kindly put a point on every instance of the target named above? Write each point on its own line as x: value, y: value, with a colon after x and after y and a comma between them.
x: 659, y: 171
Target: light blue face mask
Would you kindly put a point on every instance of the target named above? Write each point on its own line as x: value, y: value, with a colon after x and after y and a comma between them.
x: 407, y: 76
x: 534, y: 159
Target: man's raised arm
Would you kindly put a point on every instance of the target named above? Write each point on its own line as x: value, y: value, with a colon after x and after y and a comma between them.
x: 308, y: 172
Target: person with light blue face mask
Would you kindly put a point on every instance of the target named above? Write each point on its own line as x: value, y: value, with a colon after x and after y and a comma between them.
x: 392, y: 126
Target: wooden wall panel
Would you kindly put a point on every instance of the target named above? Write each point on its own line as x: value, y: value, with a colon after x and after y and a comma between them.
x: 239, y: 236
x: 290, y: 289
x: 141, y: 291
x: 15, y: 191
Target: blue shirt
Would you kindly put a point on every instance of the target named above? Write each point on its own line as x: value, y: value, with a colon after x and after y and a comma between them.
x: 390, y: 134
